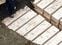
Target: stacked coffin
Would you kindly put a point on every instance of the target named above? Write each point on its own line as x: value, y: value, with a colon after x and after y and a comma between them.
x: 51, y: 10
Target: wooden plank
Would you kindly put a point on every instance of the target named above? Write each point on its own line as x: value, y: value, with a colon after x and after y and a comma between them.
x: 36, y: 1
x: 44, y: 3
x: 55, y: 40
x: 44, y: 25
x: 46, y: 35
x: 56, y: 16
x: 22, y: 20
x: 52, y: 8
x: 18, y: 14
x: 30, y: 25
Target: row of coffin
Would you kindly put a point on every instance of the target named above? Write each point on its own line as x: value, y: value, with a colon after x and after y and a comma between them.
x: 51, y: 10
x: 33, y: 27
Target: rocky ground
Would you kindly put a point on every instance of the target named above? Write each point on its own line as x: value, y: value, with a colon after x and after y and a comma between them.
x: 9, y: 37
